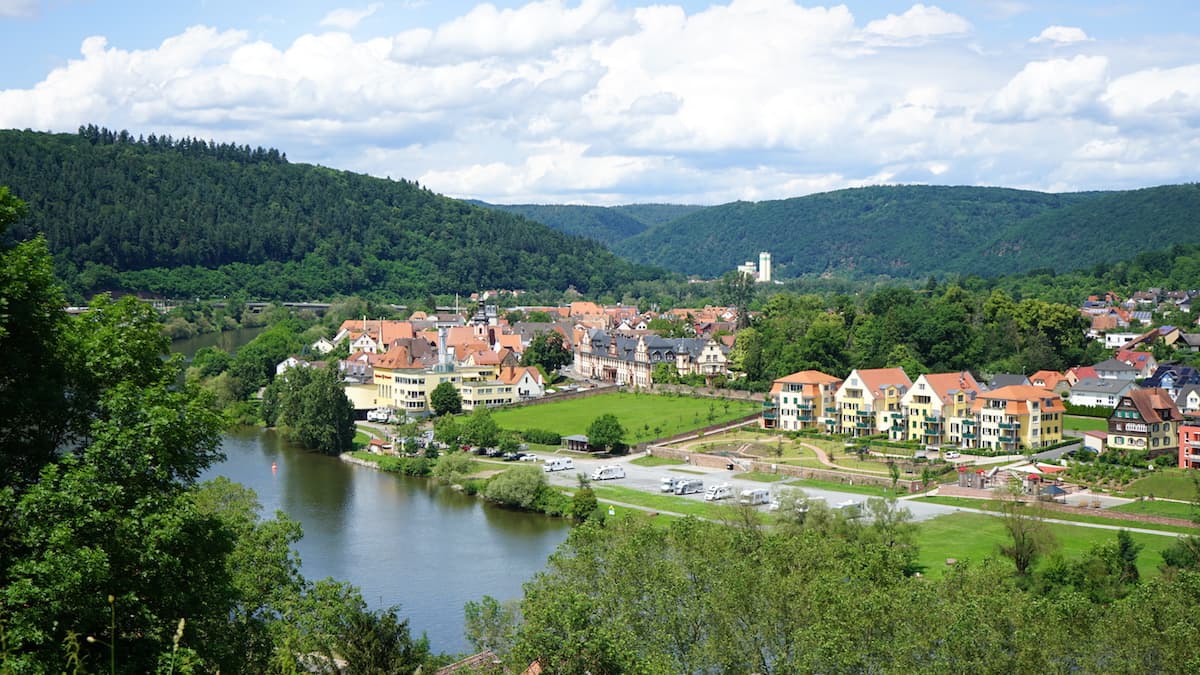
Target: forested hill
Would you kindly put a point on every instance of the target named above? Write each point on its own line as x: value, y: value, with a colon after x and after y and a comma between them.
x: 606, y: 224
x: 190, y: 218
x: 915, y: 231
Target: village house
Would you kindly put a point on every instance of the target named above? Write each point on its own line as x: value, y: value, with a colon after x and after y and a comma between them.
x: 1189, y: 443
x: 1112, y: 369
x: 803, y: 400
x: 1143, y: 362
x: 937, y: 410
x: 1018, y: 416
x: 626, y: 360
x: 1094, y: 392
x: 1145, y: 419
x: 1188, y: 399
x: 1052, y: 380
x: 869, y: 401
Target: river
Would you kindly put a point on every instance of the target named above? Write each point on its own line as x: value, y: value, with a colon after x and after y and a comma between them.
x: 404, y: 541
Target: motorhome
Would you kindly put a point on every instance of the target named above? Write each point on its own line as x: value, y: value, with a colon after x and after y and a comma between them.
x: 381, y: 415
x: 754, y: 497
x: 689, y: 485
x: 608, y: 472
x: 669, y: 483
x: 718, y: 492
x: 558, y: 464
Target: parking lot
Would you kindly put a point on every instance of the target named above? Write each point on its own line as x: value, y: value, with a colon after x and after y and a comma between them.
x: 649, y: 479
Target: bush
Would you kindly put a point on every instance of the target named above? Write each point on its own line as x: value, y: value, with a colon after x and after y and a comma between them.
x: 552, y: 502
x: 519, y: 486
x: 453, y: 468
x: 1087, y: 410
x: 541, y: 437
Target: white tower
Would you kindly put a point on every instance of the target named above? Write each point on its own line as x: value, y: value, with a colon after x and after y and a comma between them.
x: 764, y: 267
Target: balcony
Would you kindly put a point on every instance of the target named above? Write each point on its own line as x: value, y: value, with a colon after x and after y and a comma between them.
x: 1007, y: 425
x: 1008, y: 439
x: 898, y: 426
x: 863, y: 413
x: 969, y: 436
x: 862, y: 425
x: 969, y: 423
x: 1191, y: 457
x: 768, y: 404
x: 806, y: 405
x: 832, y: 410
x: 805, y: 418
x: 932, y: 420
x: 770, y: 415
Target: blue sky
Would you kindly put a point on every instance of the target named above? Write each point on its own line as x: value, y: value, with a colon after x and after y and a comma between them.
x: 617, y: 101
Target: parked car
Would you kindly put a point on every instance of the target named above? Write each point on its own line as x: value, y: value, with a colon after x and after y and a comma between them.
x: 608, y: 472
x: 718, y: 492
x: 558, y: 464
x: 528, y: 457
x: 951, y: 454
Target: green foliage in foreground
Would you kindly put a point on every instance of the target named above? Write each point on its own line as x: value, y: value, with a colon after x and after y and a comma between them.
x: 702, y: 597
x: 112, y: 557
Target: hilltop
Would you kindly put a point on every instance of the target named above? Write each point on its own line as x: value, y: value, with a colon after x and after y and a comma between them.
x: 606, y: 224
x: 186, y: 217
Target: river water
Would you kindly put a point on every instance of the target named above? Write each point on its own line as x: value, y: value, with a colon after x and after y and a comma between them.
x: 405, y: 541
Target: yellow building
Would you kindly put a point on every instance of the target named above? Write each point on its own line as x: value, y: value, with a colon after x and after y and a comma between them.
x: 1018, y: 417
x: 800, y: 401
x: 404, y: 384
x: 869, y: 401
x: 937, y: 410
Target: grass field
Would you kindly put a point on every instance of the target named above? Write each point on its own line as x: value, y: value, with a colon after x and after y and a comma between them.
x: 1097, y: 518
x: 661, y: 502
x: 1075, y: 423
x: 1171, y: 483
x: 975, y: 536
x: 1158, y: 508
x: 651, y: 460
x: 841, y: 487
x: 644, y: 416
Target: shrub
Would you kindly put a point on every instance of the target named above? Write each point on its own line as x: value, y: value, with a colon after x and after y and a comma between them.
x: 453, y: 468
x: 541, y: 437
x: 519, y: 486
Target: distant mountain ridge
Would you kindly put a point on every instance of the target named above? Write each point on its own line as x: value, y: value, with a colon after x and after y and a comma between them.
x: 189, y: 218
x: 605, y: 224
x: 916, y: 231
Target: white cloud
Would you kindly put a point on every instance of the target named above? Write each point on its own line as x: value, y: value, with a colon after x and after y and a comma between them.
x: 347, y: 18
x: 1157, y: 95
x: 18, y: 7
x: 1061, y: 35
x: 917, y: 25
x: 560, y: 101
x: 1054, y: 88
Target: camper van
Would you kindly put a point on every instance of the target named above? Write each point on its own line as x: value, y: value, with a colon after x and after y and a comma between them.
x: 689, y: 485
x: 669, y: 483
x: 754, y: 497
x: 608, y: 472
x: 558, y: 464
x: 718, y: 492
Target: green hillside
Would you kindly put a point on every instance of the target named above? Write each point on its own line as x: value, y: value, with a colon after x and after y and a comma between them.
x: 190, y: 218
x: 606, y: 224
x: 915, y: 231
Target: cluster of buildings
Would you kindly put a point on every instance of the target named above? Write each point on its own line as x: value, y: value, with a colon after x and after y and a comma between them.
x: 762, y: 273
x: 941, y: 410
x: 396, y: 365
x: 1117, y: 321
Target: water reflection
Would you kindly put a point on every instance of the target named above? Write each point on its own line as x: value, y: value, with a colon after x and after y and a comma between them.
x: 402, y: 540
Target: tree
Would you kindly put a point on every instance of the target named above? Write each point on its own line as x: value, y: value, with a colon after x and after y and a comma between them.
x: 1029, y: 538
x: 445, y: 399
x: 447, y: 431
x: 548, y: 351
x: 310, y: 407
x: 605, y: 432
x: 480, y: 429
x: 519, y: 486
x: 584, y: 502
x: 492, y: 625
x: 737, y: 290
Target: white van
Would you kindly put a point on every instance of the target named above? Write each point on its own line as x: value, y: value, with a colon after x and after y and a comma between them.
x: 754, y: 497
x: 718, y: 492
x: 558, y: 464
x: 689, y: 485
x: 608, y: 472
x: 669, y: 483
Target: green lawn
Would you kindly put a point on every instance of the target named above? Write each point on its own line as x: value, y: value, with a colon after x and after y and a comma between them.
x: 841, y: 487
x: 1075, y: 423
x: 1158, y: 507
x: 1097, y: 518
x: 1171, y: 483
x: 975, y: 536
x: 662, y: 502
x: 761, y: 476
x: 651, y: 460
x: 644, y: 416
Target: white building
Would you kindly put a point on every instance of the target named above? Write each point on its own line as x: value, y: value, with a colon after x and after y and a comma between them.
x: 764, y: 267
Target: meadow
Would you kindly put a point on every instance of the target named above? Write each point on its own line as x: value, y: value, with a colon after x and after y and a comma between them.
x: 644, y: 417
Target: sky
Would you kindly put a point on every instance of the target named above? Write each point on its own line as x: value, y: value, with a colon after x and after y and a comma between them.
x: 632, y: 101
